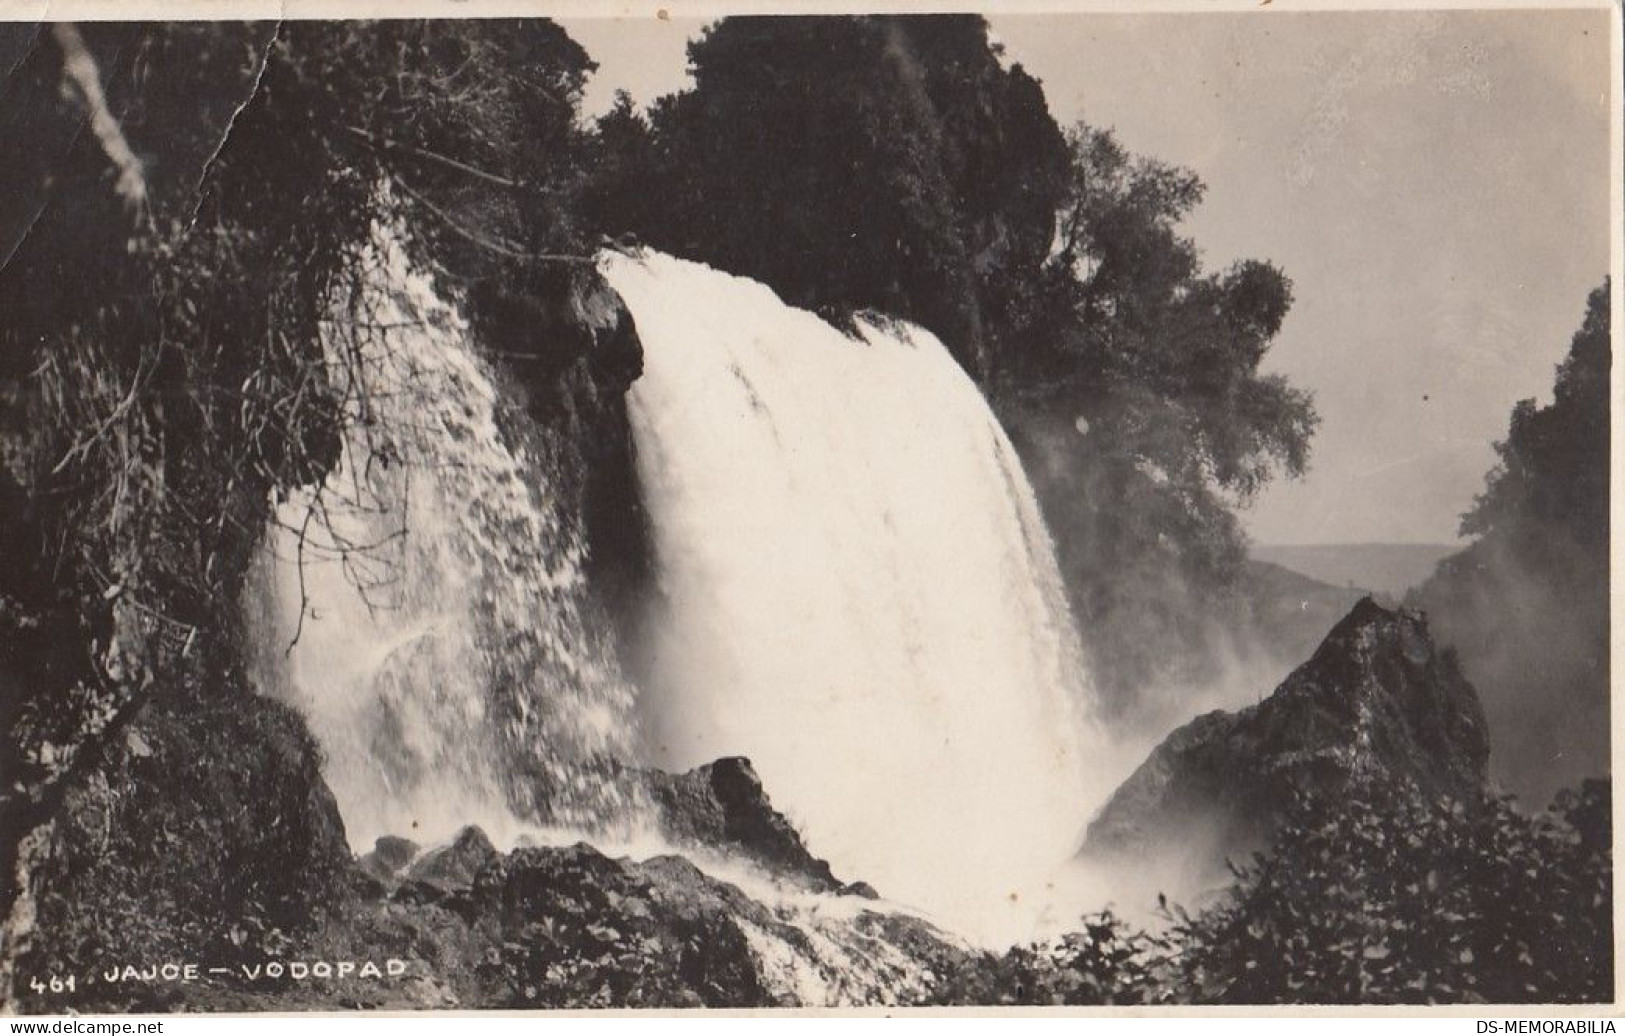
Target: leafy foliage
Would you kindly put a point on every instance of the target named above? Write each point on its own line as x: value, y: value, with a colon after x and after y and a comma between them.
x: 1388, y: 898
x: 887, y: 163
x: 1393, y: 899
x: 1553, y: 468
x: 1137, y: 396
x: 1527, y: 602
x: 1105, y: 962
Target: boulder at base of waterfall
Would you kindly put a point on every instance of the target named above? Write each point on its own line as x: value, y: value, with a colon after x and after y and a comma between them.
x: 723, y: 806
x: 206, y: 833
x: 390, y: 856
x: 1378, y: 700
x: 578, y: 929
x: 448, y: 870
x: 455, y: 866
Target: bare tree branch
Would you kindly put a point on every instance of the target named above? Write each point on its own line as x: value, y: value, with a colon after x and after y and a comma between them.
x: 79, y: 68
x: 385, y: 145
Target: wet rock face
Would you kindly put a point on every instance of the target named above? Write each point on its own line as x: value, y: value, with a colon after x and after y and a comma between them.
x: 724, y: 806
x: 400, y: 869
x: 575, y: 928
x: 1378, y: 700
x: 389, y: 857
x: 578, y: 929
x: 570, y: 350
x: 455, y: 866
x: 559, y: 315
x: 753, y: 920
x: 570, y: 927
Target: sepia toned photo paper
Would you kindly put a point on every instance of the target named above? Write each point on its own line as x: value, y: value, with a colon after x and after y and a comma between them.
x: 844, y: 510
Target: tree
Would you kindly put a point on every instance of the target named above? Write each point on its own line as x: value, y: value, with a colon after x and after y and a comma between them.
x: 1135, y: 392
x: 1526, y: 603
x: 623, y: 192
x: 1552, y: 473
x: 885, y: 163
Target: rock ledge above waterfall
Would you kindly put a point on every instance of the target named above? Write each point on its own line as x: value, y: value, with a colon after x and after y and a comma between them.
x: 566, y: 312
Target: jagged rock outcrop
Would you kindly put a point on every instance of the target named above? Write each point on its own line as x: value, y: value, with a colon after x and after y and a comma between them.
x: 1378, y: 700
x: 723, y: 805
x: 399, y: 868
x: 456, y: 865
x: 390, y: 856
x: 563, y: 313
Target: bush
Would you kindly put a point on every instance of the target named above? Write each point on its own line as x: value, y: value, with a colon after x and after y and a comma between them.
x: 1388, y: 898
x: 1391, y: 898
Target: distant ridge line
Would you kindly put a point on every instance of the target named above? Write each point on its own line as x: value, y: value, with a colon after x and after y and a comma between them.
x: 1388, y: 568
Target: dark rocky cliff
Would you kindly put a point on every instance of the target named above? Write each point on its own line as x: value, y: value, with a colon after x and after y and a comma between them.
x: 569, y: 350
x: 1378, y: 700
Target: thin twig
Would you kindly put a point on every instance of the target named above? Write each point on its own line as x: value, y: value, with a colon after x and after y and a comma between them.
x: 304, y: 597
x: 500, y: 247
x: 383, y: 143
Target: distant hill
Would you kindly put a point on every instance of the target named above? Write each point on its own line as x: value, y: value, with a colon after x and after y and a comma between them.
x: 1292, y: 612
x: 1390, y: 569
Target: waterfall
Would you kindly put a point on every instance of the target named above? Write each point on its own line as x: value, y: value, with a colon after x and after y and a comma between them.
x: 424, y: 607
x: 855, y: 590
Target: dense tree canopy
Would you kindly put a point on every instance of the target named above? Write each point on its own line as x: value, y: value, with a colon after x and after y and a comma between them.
x: 887, y: 163
x: 1134, y: 386
x: 1553, y: 469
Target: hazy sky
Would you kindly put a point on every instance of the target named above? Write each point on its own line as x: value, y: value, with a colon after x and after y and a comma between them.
x: 1434, y: 183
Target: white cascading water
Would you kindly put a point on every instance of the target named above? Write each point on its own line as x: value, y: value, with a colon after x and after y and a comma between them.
x: 430, y: 627
x: 856, y: 591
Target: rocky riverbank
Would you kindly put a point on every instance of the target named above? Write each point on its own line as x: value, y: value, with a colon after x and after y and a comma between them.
x: 204, y: 866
